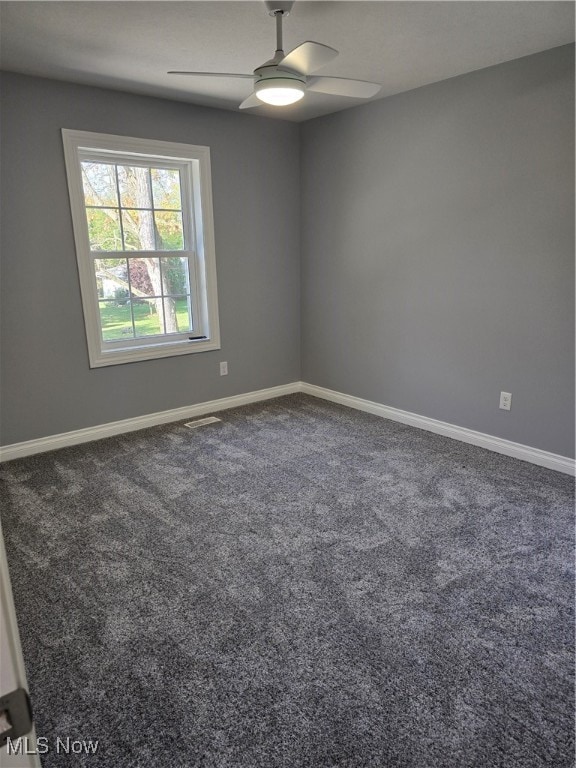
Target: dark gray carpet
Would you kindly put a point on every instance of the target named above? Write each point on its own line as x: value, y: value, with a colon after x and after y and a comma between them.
x: 301, y: 585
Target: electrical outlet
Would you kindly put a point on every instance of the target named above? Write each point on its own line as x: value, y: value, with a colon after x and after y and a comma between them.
x: 505, y: 401
x: 224, y: 370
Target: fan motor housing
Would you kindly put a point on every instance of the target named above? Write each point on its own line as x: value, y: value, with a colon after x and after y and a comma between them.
x: 272, y: 72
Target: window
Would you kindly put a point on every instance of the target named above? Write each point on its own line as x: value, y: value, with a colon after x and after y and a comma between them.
x: 142, y: 216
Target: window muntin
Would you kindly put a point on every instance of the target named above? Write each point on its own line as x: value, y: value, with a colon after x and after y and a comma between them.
x: 145, y: 247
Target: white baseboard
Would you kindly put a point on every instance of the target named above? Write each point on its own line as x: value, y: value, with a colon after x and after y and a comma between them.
x: 52, y: 442
x: 496, y: 444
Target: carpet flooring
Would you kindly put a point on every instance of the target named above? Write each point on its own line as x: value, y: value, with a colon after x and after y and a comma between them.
x: 301, y: 585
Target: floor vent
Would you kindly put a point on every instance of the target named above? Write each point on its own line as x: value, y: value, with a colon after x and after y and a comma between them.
x: 201, y: 422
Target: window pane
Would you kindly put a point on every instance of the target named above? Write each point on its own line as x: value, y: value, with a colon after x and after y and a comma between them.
x: 175, y: 275
x: 148, y: 317
x: 138, y: 230
x: 104, y: 229
x: 166, y: 188
x: 169, y: 230
x: 135, y: 187
x: 177, y: 314
x: 99, y: 181
x: 116, y: 320
x: 142, y: 273
x: 112, y: 279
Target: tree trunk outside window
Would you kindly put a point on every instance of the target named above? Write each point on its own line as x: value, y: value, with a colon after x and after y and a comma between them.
x: 148, y: 236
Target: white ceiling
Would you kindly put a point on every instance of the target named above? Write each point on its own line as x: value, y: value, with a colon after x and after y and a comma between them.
x: 130, y: 45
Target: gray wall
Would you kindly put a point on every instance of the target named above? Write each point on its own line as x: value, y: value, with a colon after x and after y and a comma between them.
x: 47, y: 386
x: 436, y: 254
x: 438, y: 250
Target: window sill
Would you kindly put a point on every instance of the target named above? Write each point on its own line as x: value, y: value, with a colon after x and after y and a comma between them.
x: 151, y: 352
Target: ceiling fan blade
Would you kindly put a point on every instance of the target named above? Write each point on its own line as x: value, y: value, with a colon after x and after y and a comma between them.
x: 342, y: 86
x: 308, y: 57
x: 209, y: 74
x: 251, y: 101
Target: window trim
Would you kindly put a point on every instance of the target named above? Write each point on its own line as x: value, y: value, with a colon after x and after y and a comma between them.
x: 199, y: 198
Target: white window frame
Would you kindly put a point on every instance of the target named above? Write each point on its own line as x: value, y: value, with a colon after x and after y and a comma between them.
x: 198, y: 224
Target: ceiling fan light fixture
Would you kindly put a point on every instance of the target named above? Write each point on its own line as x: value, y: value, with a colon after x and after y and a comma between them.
x: 279, y: 92
x: 285, y: 78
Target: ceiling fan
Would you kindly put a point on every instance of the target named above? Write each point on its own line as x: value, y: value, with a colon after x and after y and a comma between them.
x: 285, y: 78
